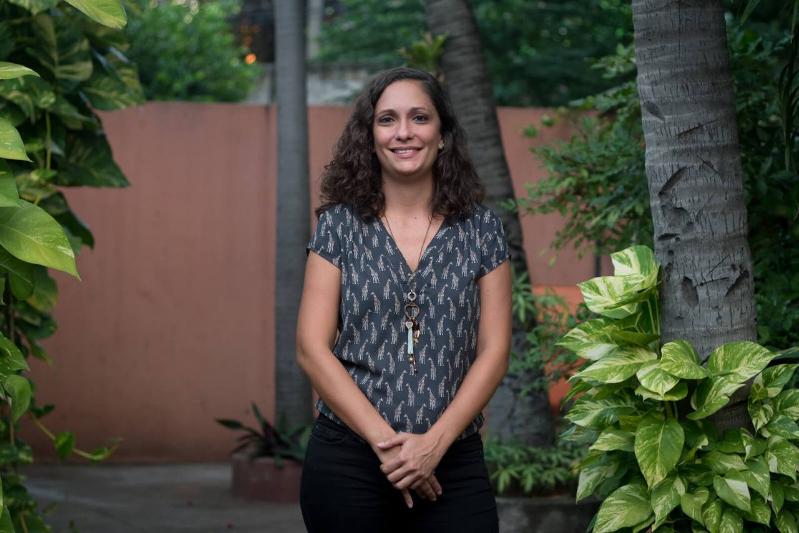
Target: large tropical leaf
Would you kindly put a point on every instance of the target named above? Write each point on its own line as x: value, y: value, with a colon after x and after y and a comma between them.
x: 782, y: 457
x: 594, y: 471
x: 614, y: 439
x: 733, y: 490
x: 627, y: 506
x: 654, y: 378
x: 742, y: 359
x: 712, y: 394
x: 612, y: 296
x: 107, y: 12
x: 29, y: 93
x: 658, y: 444
x: 29, y: 233
x: 62, y: 49
x: 771, y: 381
x: 679, y: 359
x: 89, y: 162
x: 116, y: 86
x: 636, y: 261
x: 587, y: 412
x: 692, y: 503
x: 666, y: 496
x: 19, y: 390
x: 617, y: 366
x: 12, y: 70
x: 11, y: 145
x: 757, y: 476
x: 672, y: 395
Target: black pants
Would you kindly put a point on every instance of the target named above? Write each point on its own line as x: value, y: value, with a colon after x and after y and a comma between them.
x: 343, y: 489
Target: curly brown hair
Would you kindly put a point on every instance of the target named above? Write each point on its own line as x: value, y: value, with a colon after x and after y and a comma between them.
x: 354, y: 176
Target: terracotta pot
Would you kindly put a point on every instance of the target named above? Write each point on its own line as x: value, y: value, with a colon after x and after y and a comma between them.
x: 259, y: 479
x: 544, y: 514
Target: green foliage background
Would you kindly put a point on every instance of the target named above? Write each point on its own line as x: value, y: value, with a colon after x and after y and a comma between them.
x: 538, y: 53
x: 597, y: 181
x: 189, y: 53
x: 57, y: 66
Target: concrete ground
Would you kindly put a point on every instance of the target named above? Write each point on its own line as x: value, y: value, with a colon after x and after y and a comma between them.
x: 190, y: 498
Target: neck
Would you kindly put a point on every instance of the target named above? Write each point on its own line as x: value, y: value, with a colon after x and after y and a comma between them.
x: 408, y: 199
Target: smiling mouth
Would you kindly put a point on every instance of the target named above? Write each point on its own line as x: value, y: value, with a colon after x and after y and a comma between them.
x: 405, y: 150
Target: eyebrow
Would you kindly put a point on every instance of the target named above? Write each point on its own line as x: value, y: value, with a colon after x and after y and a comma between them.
x: 411, y: 110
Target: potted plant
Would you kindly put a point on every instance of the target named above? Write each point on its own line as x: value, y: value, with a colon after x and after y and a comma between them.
x: 267, y: 462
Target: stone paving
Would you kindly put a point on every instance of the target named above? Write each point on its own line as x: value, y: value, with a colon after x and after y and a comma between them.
x: 182, y: 498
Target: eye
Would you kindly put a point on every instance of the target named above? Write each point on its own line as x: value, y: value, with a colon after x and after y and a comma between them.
x: 420, y: 118
x: 385, y: 119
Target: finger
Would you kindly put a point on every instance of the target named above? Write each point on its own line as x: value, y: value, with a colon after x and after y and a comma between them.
x: 425, y: 489
x: 435, y: 484
x: 390, y: 466
x: 406, y: 482
x: 408, y: 499
x: 396, y: 440
x: 398, y: 474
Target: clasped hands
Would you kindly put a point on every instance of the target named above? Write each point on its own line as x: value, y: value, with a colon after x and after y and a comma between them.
x: 408, y: 461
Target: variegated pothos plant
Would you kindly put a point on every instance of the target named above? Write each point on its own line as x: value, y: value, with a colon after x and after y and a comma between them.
x: 654, y: 457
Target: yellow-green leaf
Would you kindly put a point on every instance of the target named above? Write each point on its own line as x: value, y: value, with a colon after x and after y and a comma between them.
x: 627, y: 506
x: 107, y: 12
x: 13, y: 70
x: 658, y: 444
x: 11, y: 145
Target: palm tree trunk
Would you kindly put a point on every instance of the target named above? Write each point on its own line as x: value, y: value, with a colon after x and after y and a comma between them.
x: 292, y: 389
x: 510, y: 415
x: 694, y: 171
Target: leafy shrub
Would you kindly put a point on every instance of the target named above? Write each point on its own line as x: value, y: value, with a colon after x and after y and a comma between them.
x: 518, y: 470
x: 189, y: 53
x: 642, y: 409
x: 268, y: 440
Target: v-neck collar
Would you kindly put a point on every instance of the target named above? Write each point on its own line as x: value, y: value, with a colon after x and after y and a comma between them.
x: 403, y: 263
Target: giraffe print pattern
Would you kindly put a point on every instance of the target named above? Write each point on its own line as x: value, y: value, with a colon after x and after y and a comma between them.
x: 374, y: 279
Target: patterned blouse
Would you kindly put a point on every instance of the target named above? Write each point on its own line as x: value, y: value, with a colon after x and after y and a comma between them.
x: 375, y: 279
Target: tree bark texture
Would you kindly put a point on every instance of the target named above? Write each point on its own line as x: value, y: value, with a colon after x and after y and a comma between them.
x: 292, y: 389
x: 694, y: 172
x: 526, y: 418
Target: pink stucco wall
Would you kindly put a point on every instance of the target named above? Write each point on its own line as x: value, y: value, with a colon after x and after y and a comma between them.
x: 172, y: 324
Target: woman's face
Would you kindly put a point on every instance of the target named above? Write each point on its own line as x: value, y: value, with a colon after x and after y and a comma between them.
x: 406, y: 131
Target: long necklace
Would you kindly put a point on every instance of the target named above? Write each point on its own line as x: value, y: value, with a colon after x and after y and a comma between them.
x: 409, y: 323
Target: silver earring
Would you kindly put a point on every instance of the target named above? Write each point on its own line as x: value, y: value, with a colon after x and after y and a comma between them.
x: 441, y: 145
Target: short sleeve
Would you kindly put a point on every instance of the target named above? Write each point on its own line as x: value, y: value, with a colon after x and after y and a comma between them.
x: 493, y: 246
x: 326, y: 239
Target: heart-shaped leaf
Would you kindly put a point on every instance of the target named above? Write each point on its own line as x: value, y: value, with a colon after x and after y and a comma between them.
x: 627, y: 506
x: 658, y: 444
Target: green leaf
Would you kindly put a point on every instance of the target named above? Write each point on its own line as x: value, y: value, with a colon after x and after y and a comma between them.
x: 594, y: 471
x: 614, y: 439
x: 757, y: 476
x: 89, y: 162
x: 29, y: 233
x: 6, y: 524
x: 13, y: 70
x: 711, y: 395
x: 733, y: 490
x: 711, y: 515
x: 106, y: 12
x: 11, y: 359
x: 9, y: 195
x: 741, y: 360
x: 760, y: 412
x: 19, y: 390
x: 655, y: 379
x: 612, y: 296
x: 627, y: 506
x: 658, y: 444
x: 587, y: 412
x: 29, y: 94
x: 64, y: 444
x: 61, y: 48
x: 731, y: 441
x: 45, y: 293
x: 617, y: 366
x: 677, y: 393
x: 786, y: 522
x: 589, y: 340
x: 777, y: 495
x: 753, y: 446
x: 35, y: 6
x: 782, y: 457
x: 692, y: 503
x: 636, y: 261
x: 696, y: 436
x: 760, y: 512
x: 771, y: 381
x: 679, y: 359
x: 782, y: 426
x: 666, y: 496
x: 721, y: 463
x: 11, y: 145
x: 22, y: 275
x: 787, y: 403
x: 731, y: 522
x: 116, y: 88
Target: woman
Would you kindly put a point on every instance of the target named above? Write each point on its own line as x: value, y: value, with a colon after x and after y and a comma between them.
x: 412, y: 273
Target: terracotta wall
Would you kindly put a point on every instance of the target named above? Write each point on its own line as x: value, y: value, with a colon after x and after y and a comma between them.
x: 172, y: 324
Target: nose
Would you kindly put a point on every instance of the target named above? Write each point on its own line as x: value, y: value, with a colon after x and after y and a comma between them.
x: 404, y: 130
